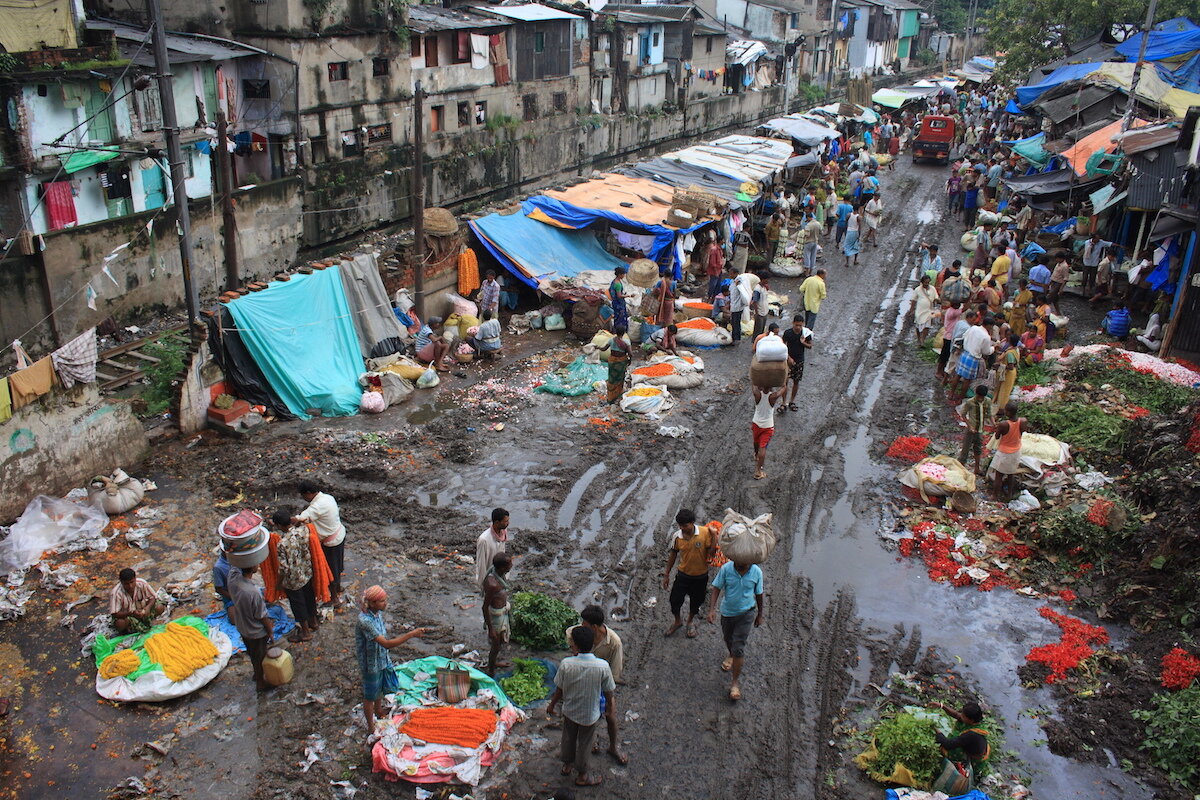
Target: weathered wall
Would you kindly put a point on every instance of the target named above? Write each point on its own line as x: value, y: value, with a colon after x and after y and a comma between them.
x: 60, y: 441
x: 148, y: 274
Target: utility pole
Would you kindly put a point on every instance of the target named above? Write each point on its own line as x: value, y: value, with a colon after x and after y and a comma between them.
x: 970, y: 32
x: 831, y: 54
x: 417, y: 207
x: 228, y: 218
x: 1127, y: 120
x: 166, y: 96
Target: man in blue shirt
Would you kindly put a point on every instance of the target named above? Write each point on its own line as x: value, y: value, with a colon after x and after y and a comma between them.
x: 843, y: 220
x: 739, y: 588
x: 1039, y: 277
x: 1117, y: 322
x: 220, y: 577
x: 581, y: 682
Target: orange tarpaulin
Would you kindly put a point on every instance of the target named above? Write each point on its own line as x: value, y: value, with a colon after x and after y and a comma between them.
x: 1078, y: 154
x: 649, y: 201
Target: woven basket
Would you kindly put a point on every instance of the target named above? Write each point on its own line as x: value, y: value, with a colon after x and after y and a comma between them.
x: 440, y: 222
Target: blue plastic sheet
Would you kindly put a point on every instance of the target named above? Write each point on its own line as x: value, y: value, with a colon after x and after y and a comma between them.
x: 283, y: 626
x: 1186, y: 77
x: 301, y: 334
x: 540, y: 250
x: 1162, y: 44
x: 1070, y: 72
x: 1012, y: 107
x: 575, y: 217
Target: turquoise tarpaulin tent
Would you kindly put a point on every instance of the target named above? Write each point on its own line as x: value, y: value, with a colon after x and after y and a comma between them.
x: 530, y: 249
x: 301, y: 335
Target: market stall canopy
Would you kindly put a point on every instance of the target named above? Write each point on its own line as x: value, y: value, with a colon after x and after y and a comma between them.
x: 1171, y: 221
x: 805, y: 131
x: 1186, y: 76
x: 860, y: 113
x: 1077, y: 155
x: 899, y: 95
x: 1032, y: 149
x: 1012, y: 107
x: 82, y: 159
x: 682, y: 175
x: 1162, y: 44
x: 1043, y: 188
x: 746, y: 158
x: 301, y: 334
x: 534, y: 251
x: 744, y: 51
x: 1105, y: 197
x: 1151, y: 88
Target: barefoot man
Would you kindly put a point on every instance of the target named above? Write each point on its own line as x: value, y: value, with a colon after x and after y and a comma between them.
x: 497, y: 611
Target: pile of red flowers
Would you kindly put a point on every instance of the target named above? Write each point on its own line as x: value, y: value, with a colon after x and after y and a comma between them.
x: 1068, y: 595
x: 1193, y: 442
x: 1073, y: 649
x: 1098, y: 513
x: 909, y: 448
x: 1179, y: 669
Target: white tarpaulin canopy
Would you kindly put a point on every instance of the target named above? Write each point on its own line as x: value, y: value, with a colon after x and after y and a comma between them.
x: 803, y: 130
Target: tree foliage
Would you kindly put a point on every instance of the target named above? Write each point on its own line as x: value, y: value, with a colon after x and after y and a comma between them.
x: 1034, y: 32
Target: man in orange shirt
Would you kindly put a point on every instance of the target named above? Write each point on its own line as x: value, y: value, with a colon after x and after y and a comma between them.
x: 692, y: 546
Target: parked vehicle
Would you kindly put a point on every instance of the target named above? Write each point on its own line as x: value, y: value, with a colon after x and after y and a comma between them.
x: 934, y: 139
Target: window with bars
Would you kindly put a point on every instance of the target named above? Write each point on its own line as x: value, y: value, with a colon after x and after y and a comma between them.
x: 339, y: 70
x: 380, y: 134
x: 380, y: 67
x: 529, y: 107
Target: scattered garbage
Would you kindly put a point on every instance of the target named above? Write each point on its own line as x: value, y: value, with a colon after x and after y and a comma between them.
x: 51, y: 523
x: 314, y: 748
x: 674, y: 431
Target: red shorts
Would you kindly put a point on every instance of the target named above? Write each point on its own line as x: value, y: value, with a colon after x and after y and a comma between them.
x: 761, y: 435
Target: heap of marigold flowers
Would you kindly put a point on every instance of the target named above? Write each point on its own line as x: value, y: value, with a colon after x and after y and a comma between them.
x: 1071, y: 650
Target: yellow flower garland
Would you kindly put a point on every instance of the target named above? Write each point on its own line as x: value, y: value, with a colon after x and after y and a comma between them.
x: 119, y: 664
x: 180, y: 650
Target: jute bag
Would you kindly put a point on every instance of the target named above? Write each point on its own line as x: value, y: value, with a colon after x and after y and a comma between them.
x: 453, y: 684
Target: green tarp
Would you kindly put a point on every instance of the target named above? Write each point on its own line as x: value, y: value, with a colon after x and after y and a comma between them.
x: 301, y: 335
x: 82, y: 159
x: 418, y: 677
x: 1031, y: 150
x: 574, y: 379
x: 105, y: 647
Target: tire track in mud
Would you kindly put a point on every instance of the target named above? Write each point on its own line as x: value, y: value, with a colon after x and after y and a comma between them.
x: 775, y: 742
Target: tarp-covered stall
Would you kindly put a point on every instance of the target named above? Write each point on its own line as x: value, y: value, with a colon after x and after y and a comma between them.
x: 534, y: 251
x: 679, y: 174
x: 301, y: 334
x: 804, y: 131
x: 1043, y: 188
x: 379, y: 332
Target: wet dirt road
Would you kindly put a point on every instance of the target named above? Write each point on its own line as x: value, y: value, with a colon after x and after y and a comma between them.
x: 592, y: 508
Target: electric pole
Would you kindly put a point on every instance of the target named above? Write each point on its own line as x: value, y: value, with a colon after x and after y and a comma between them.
x: 166, y: 96
x: 417, y: 207
x: 1127, y: 120
x: 228, y: 218
x: 970, y: 32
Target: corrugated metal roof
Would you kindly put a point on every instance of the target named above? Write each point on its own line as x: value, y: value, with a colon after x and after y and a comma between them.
x: 706, y: 29
x: 1148, y: 138
x: 1158, y: 176
x: 674, y: 12
x: 1069, y: 104
x: 528, y: 13
x: 425, y: 19
x: 181, y: 48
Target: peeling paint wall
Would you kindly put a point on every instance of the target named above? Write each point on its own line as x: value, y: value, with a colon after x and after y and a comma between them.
x: 60, y: 441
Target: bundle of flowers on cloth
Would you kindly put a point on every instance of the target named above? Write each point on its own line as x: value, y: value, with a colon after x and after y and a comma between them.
x: 429, y: 741
x: 166, y: 662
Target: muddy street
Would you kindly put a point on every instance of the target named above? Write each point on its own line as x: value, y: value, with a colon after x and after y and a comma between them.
x: 593, y: 500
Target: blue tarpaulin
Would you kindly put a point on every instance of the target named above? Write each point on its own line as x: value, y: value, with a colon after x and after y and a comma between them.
x: 573, y: 216
x: 1069, y: 72
x: 1012, y: 107
x: 530, y: 249
x: 1186, y: 76
x: 1162, y: 44
x: 301, y: 334
x: 282, y: 627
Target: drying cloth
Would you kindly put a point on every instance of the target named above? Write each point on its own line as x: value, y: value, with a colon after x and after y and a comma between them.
x: 76, y: 360
x: 5, y: 401
x: 60, y: 204
x: 322, y: 575
x: 31, y: 383
x: 463, y: 727
x: 633, y: 241
x: 301, y: 335
x: 479, y: 51
x: 372, y: 308
x: 283, y: 626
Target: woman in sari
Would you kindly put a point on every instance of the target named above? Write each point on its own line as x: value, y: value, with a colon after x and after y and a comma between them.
x: 664, y: 295
x: 1033, y: 347
x: 1009, y: 360
x: 1018, y: 315
x: 616, y: 298
x: 619, y: 356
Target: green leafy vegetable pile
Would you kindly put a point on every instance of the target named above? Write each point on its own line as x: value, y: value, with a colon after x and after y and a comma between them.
x: 1139, y: 388
x: 1086, y: 427
x: 906, y: 740
x: 540, y: 622
x: 1173, y: 735
x: 527, y: 683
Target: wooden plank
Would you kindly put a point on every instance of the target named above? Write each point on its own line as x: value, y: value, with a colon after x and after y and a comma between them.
x: 144, y: 357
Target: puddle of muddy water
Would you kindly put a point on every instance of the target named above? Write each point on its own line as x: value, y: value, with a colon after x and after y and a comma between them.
x: 429, y: 412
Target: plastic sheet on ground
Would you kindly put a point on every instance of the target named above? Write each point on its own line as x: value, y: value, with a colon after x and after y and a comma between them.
x: 399, y: 756
x: 149, y: 683
x: 575, y: 379
x: 649, y: 400
x: 954, y: 477
x: 51, y: 523
x: 1039, y: 451
x: 283, y: 626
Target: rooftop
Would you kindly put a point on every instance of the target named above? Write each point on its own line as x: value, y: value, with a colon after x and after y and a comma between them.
x: 424, y: 19
x: 182, y: 48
